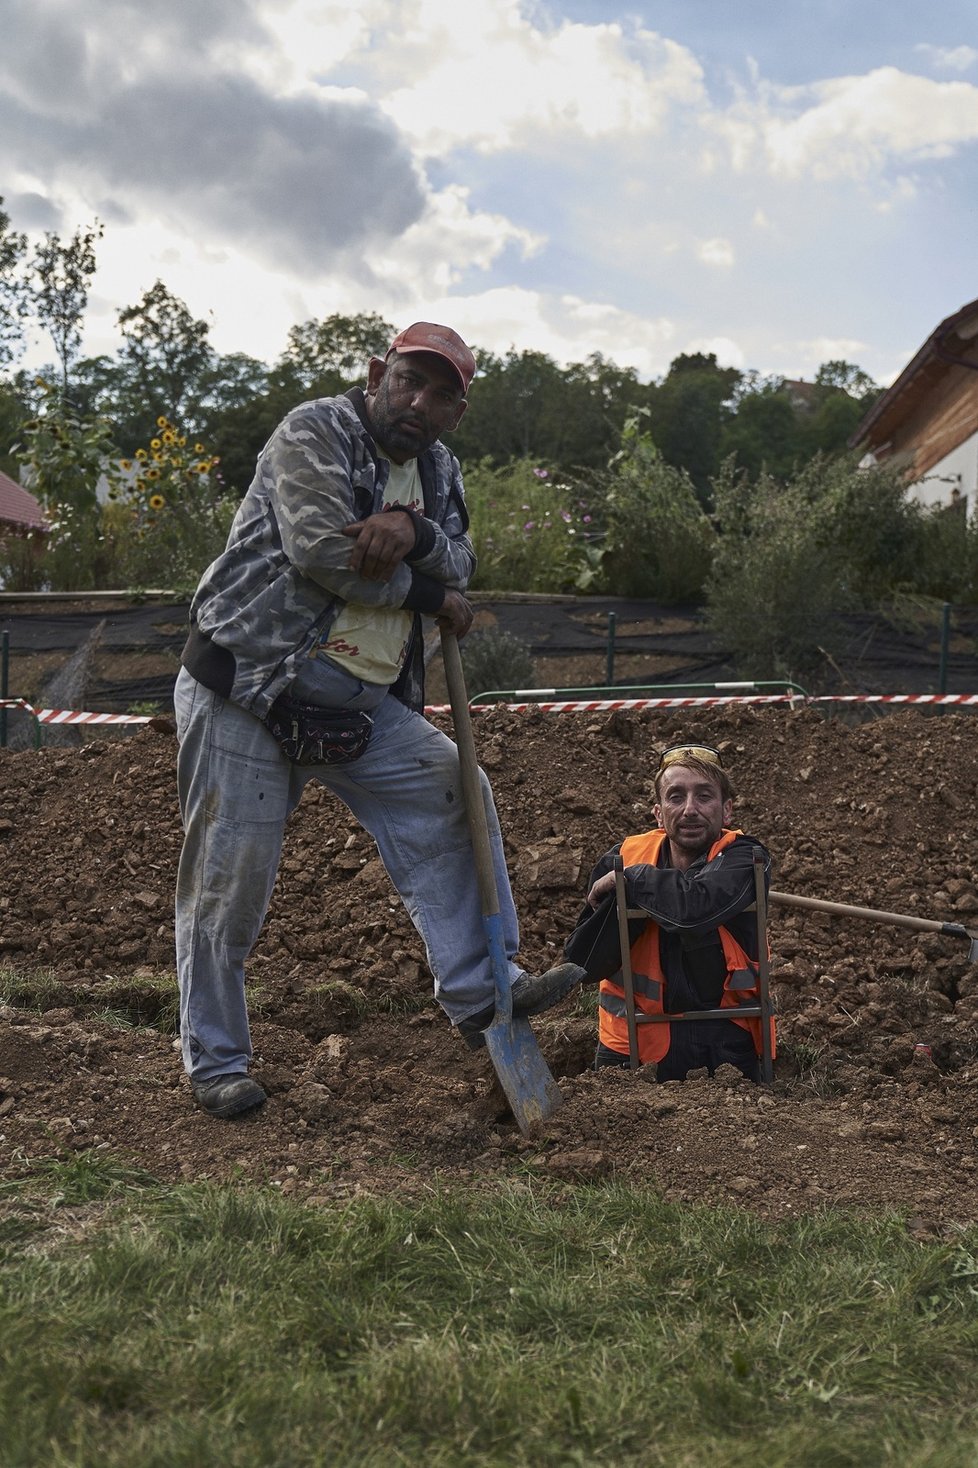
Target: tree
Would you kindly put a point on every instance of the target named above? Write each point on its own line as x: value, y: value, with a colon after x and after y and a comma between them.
x: 239, y: 409
x: 846, y: 377
x: 687, y: 414
x: 763, y: 436
x: 64, y: 273
x: 845, y: 395
x: 15, y: 410
x: 337, y: 348
x: 14, y: 293
x: 775, y: 589
x: 166, y: 351
x: 525, y: 406
x: 793, y: 554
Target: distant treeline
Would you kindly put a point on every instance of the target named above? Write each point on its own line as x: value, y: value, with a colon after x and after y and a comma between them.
x: 523, y: 405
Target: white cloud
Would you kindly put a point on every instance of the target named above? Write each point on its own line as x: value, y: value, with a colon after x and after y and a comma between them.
x: 950, y: 58
x: 717, y: 253
x: 310, y: 41
x: 849, y: 126
x: 727, y: 352
x: 513, y: 318
x: 486, y: 76
x: 821, y: 349
x: 434, y: 253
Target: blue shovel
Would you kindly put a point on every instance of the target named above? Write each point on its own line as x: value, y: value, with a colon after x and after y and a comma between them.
x: 530, y: 1089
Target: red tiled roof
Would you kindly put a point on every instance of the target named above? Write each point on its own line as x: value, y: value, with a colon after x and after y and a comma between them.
x: 17, y: 506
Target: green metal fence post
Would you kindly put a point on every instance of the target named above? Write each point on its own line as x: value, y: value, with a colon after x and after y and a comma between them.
x: 4, y: 684
x: 945, y: 640
x: 609, y: 667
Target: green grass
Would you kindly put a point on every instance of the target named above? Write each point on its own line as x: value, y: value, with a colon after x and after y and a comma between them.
x: 527, y: 1325
x: 153, y: 999
x: 150, y: 999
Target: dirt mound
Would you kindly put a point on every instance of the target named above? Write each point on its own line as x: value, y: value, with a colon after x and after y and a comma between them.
x: 368, y: 1086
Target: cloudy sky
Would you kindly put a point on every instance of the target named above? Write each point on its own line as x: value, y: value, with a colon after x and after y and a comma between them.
x: 781, y: 183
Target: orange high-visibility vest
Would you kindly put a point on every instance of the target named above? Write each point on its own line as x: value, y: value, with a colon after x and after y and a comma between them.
x: 649, y: 980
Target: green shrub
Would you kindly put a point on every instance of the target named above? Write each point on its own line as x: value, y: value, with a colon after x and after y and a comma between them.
x: 528, y: 526
x: 657, y: 542
x: 864, y: 518
x: 166, y: 518
x: 775, y: 587
x: 792, y: 556
x: 493, y: 660
x: 946, y: 565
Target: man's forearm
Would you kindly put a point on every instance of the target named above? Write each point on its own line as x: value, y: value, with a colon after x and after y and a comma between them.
x: 697, y: 901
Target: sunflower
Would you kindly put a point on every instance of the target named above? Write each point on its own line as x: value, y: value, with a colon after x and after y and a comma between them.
x: 156, y: 502
x: 142, y: 455
x: 152, y: 473
x: 161, y: 422
x: 155, y: 443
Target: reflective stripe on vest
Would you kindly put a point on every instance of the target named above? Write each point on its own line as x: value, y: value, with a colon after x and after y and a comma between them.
x: 648, y: 978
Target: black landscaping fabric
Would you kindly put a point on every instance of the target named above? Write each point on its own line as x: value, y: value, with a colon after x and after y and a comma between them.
x: 877, y: 655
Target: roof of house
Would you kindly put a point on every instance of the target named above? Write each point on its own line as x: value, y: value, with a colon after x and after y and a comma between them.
x: 17, y: 505
x: 953, y: 344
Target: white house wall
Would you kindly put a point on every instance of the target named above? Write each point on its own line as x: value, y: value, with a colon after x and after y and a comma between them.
x: 957, y: 471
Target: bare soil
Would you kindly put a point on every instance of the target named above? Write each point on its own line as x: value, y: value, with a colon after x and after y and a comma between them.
x: 370, y: 1090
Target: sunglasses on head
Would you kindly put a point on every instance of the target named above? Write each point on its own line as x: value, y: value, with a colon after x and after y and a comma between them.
x: 677, y: 753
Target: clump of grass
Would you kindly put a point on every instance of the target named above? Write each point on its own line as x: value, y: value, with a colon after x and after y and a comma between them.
x: 151, y: 1000
x: 89, y: 1176
x: 341, y: 998
x: 147, y: 1000
x: 38, y: 989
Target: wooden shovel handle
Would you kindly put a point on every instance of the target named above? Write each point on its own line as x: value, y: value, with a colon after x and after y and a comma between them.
x: 469, y: 765
x: 898, y: 919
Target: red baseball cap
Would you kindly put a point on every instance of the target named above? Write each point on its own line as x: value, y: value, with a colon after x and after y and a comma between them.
x: 425, y: 336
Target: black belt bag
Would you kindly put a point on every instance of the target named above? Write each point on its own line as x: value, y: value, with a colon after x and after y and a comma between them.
x: 312, y: 735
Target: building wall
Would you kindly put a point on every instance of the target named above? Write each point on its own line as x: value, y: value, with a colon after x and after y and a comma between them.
x: 954, y: 475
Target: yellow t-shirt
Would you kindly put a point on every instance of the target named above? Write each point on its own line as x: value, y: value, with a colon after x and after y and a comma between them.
x: 370, y: 642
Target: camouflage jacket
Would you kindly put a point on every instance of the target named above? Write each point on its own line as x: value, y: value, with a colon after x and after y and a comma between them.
x: 278, y: 585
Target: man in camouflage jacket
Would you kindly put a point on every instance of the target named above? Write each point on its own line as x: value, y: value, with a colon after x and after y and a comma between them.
x: 354, y: 527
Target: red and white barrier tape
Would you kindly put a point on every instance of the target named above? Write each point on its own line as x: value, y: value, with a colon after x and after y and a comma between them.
x: 941, y: 698
x: 69, y: 716
x: 577, y: 706
x: 604, y: 705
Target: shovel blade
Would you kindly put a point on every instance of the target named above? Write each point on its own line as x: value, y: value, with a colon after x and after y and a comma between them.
x: 524, y: 1075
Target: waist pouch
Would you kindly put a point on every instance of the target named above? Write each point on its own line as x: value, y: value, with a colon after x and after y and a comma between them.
x: 312, y: 735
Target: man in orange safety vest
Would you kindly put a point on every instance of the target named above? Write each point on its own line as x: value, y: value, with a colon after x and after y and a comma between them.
x: 698, y: 949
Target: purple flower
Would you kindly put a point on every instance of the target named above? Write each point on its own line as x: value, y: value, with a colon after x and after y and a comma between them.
x: 586, y: 519
x: 530, y: 524
x: 565, y: 516
x: 542, y: 473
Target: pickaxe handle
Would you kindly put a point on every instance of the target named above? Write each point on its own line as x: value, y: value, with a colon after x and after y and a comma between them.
x: 897, y: 919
